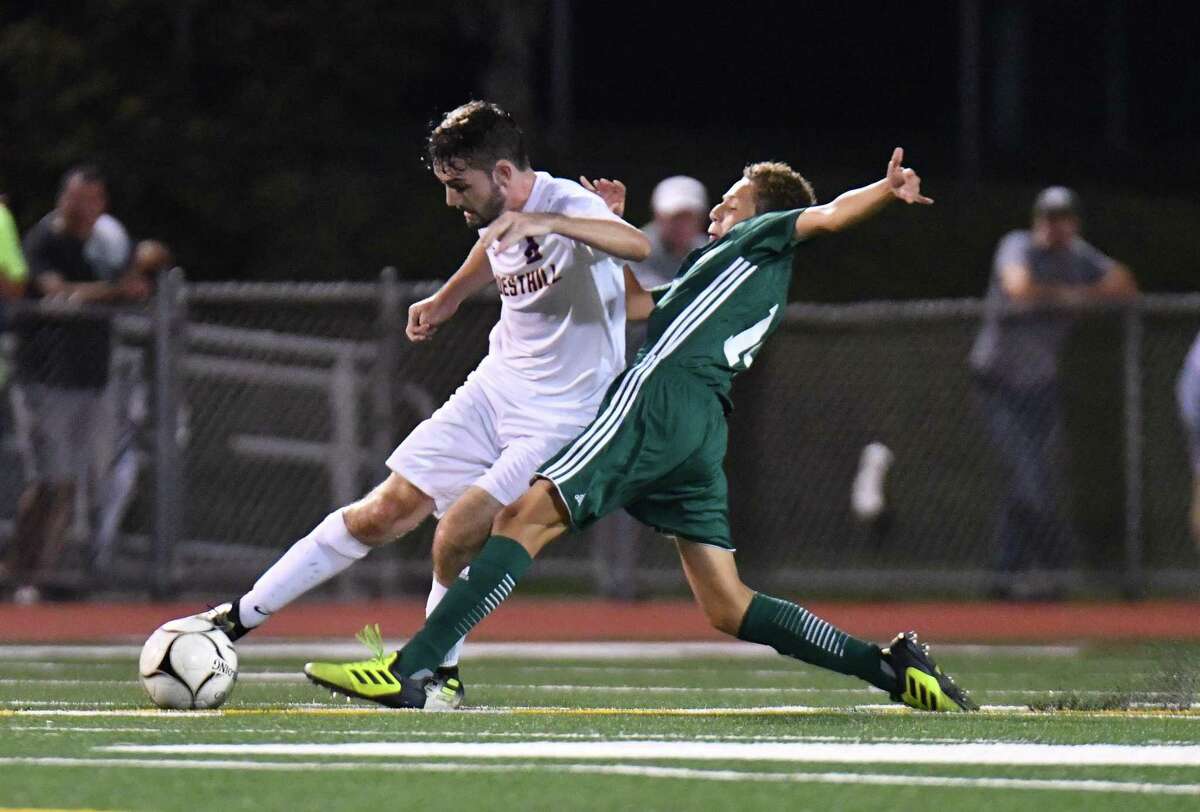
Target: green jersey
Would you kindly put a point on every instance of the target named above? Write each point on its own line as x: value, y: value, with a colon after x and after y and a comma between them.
x: 723, y: 303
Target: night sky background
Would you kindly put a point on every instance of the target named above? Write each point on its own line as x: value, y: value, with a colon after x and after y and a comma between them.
x: 265, y: 141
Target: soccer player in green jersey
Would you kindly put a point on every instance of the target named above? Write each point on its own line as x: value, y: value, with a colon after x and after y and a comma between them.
x: 657, y: 446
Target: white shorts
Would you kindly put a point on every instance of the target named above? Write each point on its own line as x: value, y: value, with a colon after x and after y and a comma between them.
x: 484, y: 436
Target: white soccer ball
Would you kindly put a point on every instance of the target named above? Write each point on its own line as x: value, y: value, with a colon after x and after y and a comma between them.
x: 188, y: 663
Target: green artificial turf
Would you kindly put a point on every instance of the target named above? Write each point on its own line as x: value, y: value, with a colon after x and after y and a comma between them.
x: 60, y: 714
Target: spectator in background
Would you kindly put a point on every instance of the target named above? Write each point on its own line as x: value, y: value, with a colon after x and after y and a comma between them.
x: 1038, y: 278
x: 679, y: 227
x: 62, y: 364
x: 1187, y: 392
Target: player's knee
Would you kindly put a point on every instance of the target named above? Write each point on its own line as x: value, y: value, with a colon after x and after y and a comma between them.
x: 509, y: 516
x: 387, y: 513
x: 538, y: 507
x: 725, y: 611
x: 533, y: 521
x: 725, y: 618
x: 524, y: 512
x: 518, y: 519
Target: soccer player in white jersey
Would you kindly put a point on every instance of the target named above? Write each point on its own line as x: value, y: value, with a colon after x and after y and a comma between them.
x: 551, y: 247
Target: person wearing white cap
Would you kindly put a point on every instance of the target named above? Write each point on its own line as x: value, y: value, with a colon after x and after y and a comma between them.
x: 1039, y: 277
x: 680, y: 206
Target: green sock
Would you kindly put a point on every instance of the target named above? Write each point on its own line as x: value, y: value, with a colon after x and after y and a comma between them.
x: 494, y: 573
x: 796, y: 632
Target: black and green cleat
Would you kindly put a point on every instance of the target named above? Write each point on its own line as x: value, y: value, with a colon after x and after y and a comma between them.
x: 922, y: 683
x: 375, y: 681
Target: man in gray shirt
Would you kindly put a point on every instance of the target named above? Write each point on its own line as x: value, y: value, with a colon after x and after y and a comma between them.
x: 1039, y: 277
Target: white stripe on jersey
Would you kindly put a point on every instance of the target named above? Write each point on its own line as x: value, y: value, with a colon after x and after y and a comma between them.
x: 625, y: 393
x: 675, y: 283
x: 684, y: 325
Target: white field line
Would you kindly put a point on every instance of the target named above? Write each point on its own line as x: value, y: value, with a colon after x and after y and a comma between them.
x: 51, y: 727
x: 296, y: 678
x: 330, y: 649
x: 244, y: 676
x: 55, y: 703
x: 992, y: 753
x: 18, y: 664
x: 632, y: 770
x: 87, y: 711
x: 776, y: 689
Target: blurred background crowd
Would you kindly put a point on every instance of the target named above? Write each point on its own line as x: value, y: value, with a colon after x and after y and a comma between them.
x: 1014, y: 418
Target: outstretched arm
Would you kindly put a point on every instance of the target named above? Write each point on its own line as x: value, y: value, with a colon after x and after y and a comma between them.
x: 614, y: 237
x: 857, y: 205
x: 427, y: 315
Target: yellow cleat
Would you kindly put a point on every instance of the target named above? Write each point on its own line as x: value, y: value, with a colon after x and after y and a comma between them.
x: 922, y: 683
x: 375, y: 681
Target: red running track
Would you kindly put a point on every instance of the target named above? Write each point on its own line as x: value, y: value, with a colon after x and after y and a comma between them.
x: 532, y: 619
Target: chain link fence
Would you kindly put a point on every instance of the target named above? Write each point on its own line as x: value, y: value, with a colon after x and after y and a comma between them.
x: 235, y: 416
x: 837, y: 379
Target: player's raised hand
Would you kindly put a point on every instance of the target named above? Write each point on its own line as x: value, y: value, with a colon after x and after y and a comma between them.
x: 905, y: 183
x: 511, y: 227
x: 425, y: 316
x: 612, y: 192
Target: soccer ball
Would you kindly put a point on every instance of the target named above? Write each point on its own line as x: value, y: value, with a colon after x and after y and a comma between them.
x: 188, y: 663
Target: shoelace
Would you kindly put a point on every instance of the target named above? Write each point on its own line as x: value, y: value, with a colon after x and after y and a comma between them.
x: 371, y: 637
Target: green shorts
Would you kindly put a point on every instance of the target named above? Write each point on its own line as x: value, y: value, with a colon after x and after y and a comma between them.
x: 657, y: 449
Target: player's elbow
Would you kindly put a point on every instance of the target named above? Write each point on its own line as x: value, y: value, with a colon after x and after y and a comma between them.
x: 818, y: 220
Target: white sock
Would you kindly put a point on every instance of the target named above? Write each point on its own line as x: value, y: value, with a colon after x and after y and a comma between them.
x: 326, y: 551
x: 436, y: 593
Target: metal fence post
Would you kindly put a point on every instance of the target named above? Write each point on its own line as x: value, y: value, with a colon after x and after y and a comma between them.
x: 344, y: 459
x: 345, y: 464
x: 170, y: 337
x: 1133, y: 581
x: 383, y: 408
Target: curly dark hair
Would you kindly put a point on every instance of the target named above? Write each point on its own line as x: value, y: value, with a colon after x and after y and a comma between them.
x: 778, y: 187
x: 477, y: 134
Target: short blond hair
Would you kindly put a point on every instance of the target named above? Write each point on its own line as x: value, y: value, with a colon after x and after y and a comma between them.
x: 778, y: 187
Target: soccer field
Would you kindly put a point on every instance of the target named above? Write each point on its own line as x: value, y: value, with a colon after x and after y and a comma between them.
x: 603, y: 726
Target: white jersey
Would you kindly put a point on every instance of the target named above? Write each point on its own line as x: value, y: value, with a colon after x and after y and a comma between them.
x: 561, y: 333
